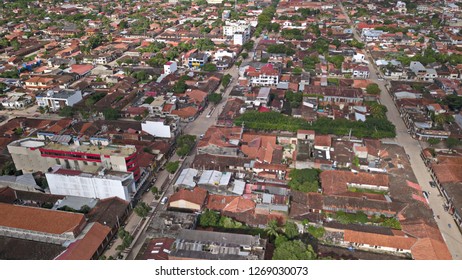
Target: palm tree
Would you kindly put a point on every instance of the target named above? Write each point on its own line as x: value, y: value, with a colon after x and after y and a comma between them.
x: 272, y: 228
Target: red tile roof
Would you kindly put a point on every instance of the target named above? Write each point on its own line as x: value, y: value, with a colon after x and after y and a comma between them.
x: 373, y: 239
x: 85, y: 248
x: 40, y: 219
x: 196, y: 196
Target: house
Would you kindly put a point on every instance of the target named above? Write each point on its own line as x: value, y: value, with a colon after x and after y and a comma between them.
x: 361, y: 72
x: 56, y: 100
x: 197, y: 59
x: 322, y: 144
x: 268, y: 75
x: 16, y: 100
x: 188, y: 200
x: 220, y: 141
x: 170, y: 67
x: 158, y: 249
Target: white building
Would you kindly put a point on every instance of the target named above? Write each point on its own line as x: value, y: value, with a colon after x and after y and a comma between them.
x: 170, y: 67
x: 103, y: 184
x: 16, y: 100
x: 157, y: 129
x: 56, y: 100
x: 241, y: 27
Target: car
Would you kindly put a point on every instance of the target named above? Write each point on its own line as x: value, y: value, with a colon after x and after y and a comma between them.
x: 426, y: 195
x: 201, y: 136
x: 164, y: 200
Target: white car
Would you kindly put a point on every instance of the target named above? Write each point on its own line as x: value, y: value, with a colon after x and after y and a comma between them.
x: 164, y: 200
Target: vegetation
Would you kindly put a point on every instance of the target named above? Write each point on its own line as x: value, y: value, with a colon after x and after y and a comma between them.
x: 373, y: 89
x: 453, y: 101
x: 215, y: 98
x: 294, y: 98
x: 337, y: 60
x: 126, y: 237
x: 294, y: 250
x: 316, y: 232
x: 66, y: 112
x: 287, y: 49
x: 305, y: 180
x: 154, y: 190
x: 209, y: 67
x: 433, y: 141
x: 185, y: 143
x: 172, y: 166
x: 271, y: 121
x: 361, y: 218
x: 180, y: 86
x: 226, y: 80
x: 142, y: 209
x: 209, y: 218
x: 111, y: 114
x: 453, y: 142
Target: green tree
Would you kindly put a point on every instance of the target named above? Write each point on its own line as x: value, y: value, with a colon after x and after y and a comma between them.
x: 433, y: 141
x: 244, y: 55
x: 297, y: 71
x: 142, y: 209
x: 66, y: 112
x: 154, y: 190
x: 215, y: 98
x: 305, y: 180
x: 226, y: 80
x: 294, y: 250
x: 209, y: 218
x: 185, y: 144
x: 373, y: 89
x: 291, y: 230
x: 316, y: 232
x: 148, y: 100
x: 272, y: 228
x: 248, y: 46
x: 2, y: 87
x: 209, y: 67
x: 111, y: 114
x: 172, y: 166
x: 452, y: 142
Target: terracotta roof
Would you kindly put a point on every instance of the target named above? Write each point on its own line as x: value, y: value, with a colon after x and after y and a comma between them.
x: 322, y: 140
x: 81, y: 69
x: 430, y: 249
x: 373, y: 239
x: 218, y: 202
x: 239, y: 205
x: 197, y: 95
x: 448, y: 173
x: 196, y: 196
x: 186, y: 112
x: 85, y: 248
x: 335, y: 181
x: 40, y: 219
x: 220, y: 136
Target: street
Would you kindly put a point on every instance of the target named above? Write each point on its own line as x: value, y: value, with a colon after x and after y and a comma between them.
x: 137, y: 226
x: 446, y: 223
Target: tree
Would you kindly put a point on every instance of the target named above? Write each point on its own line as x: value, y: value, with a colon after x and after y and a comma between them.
x: 373, y: 89
x: 244, y: 55
x: 2, y: 87
x: 209, y: 219
x: 172, y: 166
x: 305, y: 180
x: 452, y: 142
x: 433, y: 141
x: 297, y: 71
x: 272, y: 228
x: 154, y: 190
x: 248, y: 46
x: 148, y: 100
x: 209, y: 67
x: 142, y: 209
x: 110, y: 114
x: 66, y: 112
x: 291, y: 230
x: 294, y: 250
x: 226, y: 80
x: 185, y: 144
x: 215, y: 98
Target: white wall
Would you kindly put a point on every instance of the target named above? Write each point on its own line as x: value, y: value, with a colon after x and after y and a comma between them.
x: 157, y: 129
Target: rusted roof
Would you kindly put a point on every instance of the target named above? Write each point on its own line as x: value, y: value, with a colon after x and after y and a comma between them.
x: 373, y: 239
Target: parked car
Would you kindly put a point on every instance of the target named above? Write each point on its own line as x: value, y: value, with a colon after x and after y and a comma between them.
x: 164, y: 200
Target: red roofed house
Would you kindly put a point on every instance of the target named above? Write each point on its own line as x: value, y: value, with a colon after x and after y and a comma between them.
x: 190, y: 200
x: 82, y: 69
x: 268, y: 75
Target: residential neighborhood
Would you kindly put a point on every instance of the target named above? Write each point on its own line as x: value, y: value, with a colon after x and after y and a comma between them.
x: 231, y: 130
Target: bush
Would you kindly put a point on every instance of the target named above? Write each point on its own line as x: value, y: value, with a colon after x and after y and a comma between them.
x: 209, y: 219
x: 185, y: 144
x: 305, y: 180
x: 215, y: 98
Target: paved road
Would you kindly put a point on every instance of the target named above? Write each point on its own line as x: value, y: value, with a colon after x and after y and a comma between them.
x: 412, y: 147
